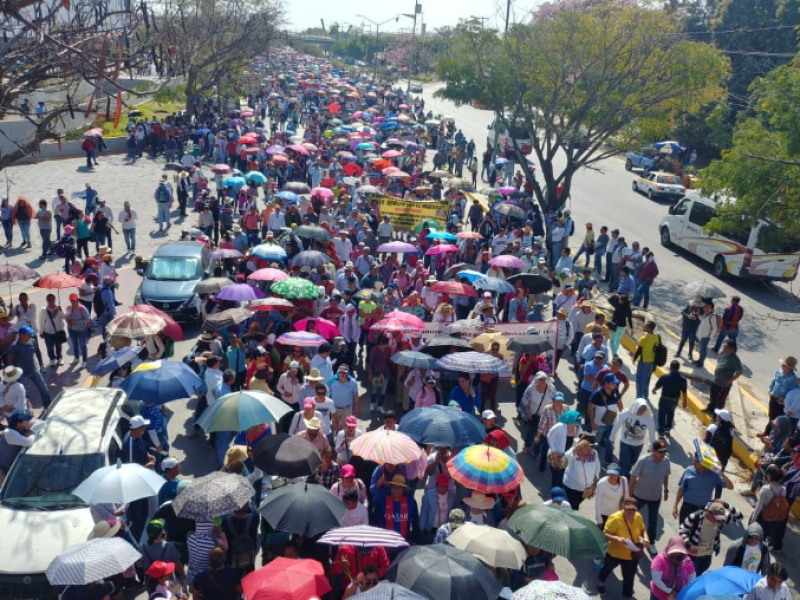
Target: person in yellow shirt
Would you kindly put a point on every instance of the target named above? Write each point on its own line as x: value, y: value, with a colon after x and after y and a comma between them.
x: 624, y: 531
x: 646, y: 355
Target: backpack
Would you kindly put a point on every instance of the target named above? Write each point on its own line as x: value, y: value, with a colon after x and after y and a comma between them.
x: 722, y: 441
x: 97, y: 301
x: 242, y: 548
x: 162, y: 194
x: 571, y: 227
x: 777, y: 509
x: 660, y: 353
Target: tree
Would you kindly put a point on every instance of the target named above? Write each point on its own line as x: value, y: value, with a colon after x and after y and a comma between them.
x: 63, y: 49
x: 211, y: 41
x: 761, y: 172
x: 577, y: 75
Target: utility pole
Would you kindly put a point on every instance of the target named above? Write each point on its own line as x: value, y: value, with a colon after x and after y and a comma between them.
x: 508, y: 13
x: 417, y: 10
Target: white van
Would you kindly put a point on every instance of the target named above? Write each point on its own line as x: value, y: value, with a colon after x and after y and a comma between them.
x: 752, y: 253
x: 39, y: 516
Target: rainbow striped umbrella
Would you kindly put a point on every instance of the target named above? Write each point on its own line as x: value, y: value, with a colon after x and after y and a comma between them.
x: 485, y: 469
x: 304, y: 339
x: 385, y: 446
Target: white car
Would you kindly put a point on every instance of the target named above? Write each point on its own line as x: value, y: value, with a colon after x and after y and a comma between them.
x: 659, y: 184
x: 39, y: 516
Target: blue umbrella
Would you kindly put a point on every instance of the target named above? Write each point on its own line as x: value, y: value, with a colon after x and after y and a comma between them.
x: 720, y: 582
x: 389, y: 125
x: 116, y: 360
x: 235, y: 182
x: 289, y: 196
x: 238, y: 411
x: 441, y: 235
x: 201, y: 131
x: 414, y: 360
x: 256, y: 176
x: 269, y: 252
x: 671, y: 144
x: 492, y: 284
x: 469, y: 275
x: 161, y: 381
x: 442, y: 426
x: 500, y: 161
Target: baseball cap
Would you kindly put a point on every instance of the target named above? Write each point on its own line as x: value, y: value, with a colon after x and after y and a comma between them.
x: 73, y: 296
x: 344, y: 369
x: 457, y: 517
x: 558, y: 397
x: 442, y: 480
x: 613, y: 469
x: 718, y: 510
x: 723, y: 414
x: 138, y: 421
x: 557, y: 494
x: 610, y: 378
x: 659, y: 446
x: 600, y: 355
x: 294, y: 365
x: 488, y: 414
x: 351, y: 421
x: 348, y: 471
x: 155, y: 527
x: 169, y: 463
x: 26, y: 330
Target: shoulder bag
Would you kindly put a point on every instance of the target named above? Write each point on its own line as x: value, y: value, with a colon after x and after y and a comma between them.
x: 61, y: 336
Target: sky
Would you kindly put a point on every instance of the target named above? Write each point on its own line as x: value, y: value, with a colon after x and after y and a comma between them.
x: 436, y: 13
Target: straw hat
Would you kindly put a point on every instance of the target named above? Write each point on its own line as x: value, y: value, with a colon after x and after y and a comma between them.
x: 315, y: 375
x: 478, y: 500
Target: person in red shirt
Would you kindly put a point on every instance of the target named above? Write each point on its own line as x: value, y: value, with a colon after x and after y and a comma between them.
x: 350, y: 561
x: 616, y: 369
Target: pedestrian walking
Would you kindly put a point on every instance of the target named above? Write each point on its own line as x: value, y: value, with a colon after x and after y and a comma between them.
x: 44, y: 218
x: 127, y: 219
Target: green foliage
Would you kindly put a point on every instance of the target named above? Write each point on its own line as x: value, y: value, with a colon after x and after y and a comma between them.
x: 171, y: 94
x: 762, y: 168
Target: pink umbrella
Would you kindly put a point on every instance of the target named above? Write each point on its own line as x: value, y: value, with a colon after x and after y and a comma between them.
x: 469, y: 235
x: 442, y: 249
x: 392, y: 154
x: 393, y: 325
x: 322, y: 192
x: 507, y: 261
x: 453, y: 288
x: 247, y: 113
x: 406, y: 318
x: 298, y: 148
x: 390, y: 170
x: 221, y: 169
x: 325, y: 328
x: 310, y: 147
x: 275, y: 148
x: 358, y: 113
x: 403, y: 106
x: 507, y: 190
x: 268, y: 274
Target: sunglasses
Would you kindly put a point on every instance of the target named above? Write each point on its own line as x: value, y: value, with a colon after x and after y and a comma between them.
x: 370, y: 582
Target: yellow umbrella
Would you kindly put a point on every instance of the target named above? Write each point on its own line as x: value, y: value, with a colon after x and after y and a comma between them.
x: 484, y: 341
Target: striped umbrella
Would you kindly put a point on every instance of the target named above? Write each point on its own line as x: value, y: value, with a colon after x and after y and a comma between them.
x: 363, y: 536
x: 135, y: 325
x: 296, y: 288
x: 471, y: 362
x: 92, y: 561
x: 268, y: 274
x: 304, y: 339
x: 386, y: 446
x: 485, y: 469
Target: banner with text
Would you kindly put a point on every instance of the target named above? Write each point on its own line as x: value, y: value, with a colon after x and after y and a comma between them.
x: 407, y: 213
x: 544, y: 330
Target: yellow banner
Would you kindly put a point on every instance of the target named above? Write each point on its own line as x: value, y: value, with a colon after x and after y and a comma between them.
x: 407, y: 213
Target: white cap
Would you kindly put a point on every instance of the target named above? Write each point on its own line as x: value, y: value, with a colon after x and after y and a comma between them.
x: 139, y: 421
x: 488, y: 414
x: 294, y: 365
x: 169, y: 463
x: 723, y: 414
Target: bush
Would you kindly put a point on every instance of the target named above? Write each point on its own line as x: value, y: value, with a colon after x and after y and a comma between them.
x: 175, y: 94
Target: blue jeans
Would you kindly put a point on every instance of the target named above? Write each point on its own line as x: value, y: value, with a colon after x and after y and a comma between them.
x: 378, y: 394
x: 644, y: 371
x: 139, y: 147
x: 581, y: 251
x: 628, y: 455
x: 45, y: 233
x: 702, y: 348
x: 163, y: 215
x: 602, y: 436
x: 8, y: 229
x: 642, y: 294
x: 687, y: 335
x: 616, y: 339
x: 99, y: 240
x: 105, y: 319
x: 130, y: 238
x: 598, y: 262
x: 666, y: 414
x: 25, y: 230
x: 37, y: 380
x: 59, y: 224
x: 723, y: 335
x: 222, y: 442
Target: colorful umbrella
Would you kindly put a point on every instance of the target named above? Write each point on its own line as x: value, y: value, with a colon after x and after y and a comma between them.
x: 398, y: 247
x: 161, y: 381
x: 441, y: 249
x: 442, y: 426
x: 485, y: 469
x: 363, y: 536
x: 454, y: 288
x: 304, y: 339
x: 240, y: 292
x: 562, y: 532
x: 393, y: 325
x: 269, y: 252
x: 92, y: 561
x: 471, y: 362
x: 296, y: 288
x: 287, y: 579
x: 507, y: 261
x: 549, y: 590
x: 212, y: 496
x: 135, y: 325
x: 385, y: 446
x: 172, y: 329
x: 239, y: 411
x: 268, y: 274
x: 269, y: 304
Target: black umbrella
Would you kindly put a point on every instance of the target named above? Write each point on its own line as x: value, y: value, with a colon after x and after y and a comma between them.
x: 226, y: 318
x: 535, y: 284
x: 443, y: 572
x: 509, y: 210
x: 440, y: 346
x: 312, y: 232
x: 212, y: 285
x: 368, y: 294
x: 305, y: 509
x: 173, y: 167
x: 286, y: 455
x: 532, y: 344
x: 310, y: 258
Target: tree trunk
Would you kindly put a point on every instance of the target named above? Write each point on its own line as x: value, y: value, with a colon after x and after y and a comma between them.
x: 191, y: 92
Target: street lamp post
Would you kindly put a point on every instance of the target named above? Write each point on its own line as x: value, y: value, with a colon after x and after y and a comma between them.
x: 417, y: 9
x: 377, y: 31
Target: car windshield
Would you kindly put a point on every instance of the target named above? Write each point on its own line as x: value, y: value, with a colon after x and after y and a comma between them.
x: 46, y: 482
x: 668, y: 179
x: 174, y: 269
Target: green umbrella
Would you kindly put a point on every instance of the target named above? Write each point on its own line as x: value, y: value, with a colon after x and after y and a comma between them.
x: 429, y: 222
x: 294, y: 287
x: 562, y: 532
x: 241, y: 410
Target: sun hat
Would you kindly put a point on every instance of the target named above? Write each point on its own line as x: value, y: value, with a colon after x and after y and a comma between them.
x: 105, y: 529
x: 314, y: 375
x: 399, y: 480
x: 313, y: 423
x: 478, y: 500
x: 789, y: 361
x: 11, y: 374
x: 160, y: 568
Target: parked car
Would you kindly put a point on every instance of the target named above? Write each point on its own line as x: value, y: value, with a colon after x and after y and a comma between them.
x: 644, y: 160
x: 170, y: 278
x: 416, y: 88
x: 39, y: 517
x: 659, y: 184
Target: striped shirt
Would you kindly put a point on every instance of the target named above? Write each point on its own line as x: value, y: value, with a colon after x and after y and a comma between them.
x: 200, y: 544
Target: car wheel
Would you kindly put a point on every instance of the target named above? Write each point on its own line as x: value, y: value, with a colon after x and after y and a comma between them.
x: 665, y: 239
x: 720, y: 268
x: 628, y: 165
x: 650, y: 194
x: 634, y: 187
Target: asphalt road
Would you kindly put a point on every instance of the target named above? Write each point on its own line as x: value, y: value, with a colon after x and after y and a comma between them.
x: 604, y: 196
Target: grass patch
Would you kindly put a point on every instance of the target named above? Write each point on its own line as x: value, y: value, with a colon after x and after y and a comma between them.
x: 148, y: 111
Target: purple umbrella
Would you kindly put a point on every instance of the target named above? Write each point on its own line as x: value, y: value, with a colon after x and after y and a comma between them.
x: 398, y: 248
x: 507, y: 190
x: 275, y: 148
x: 240, y: 292
x: 506, y: 261
x: 223, y: 253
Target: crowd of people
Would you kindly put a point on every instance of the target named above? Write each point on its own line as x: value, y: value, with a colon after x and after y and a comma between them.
x: 319, y: 197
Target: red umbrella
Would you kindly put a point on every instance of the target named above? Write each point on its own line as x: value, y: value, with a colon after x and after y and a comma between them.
x: 268, y: 274
x: 59, y: 281
x: 334, y: 108
x: 278, y: 159
x: 252, y: 151
x: 406, y: 318
x: 441, y: 249
x: 287, y: 579
x: 248, y: 139
x: 353, y: 170
x: 453, y: 288
x: 268, y: 304
x: 172, y: 330
x: 325, y: 328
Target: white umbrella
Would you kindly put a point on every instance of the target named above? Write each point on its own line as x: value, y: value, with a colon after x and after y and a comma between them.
x: 92, y: 561
x: 703, y: 289
x: 494, y: 547
x: 119, y: 484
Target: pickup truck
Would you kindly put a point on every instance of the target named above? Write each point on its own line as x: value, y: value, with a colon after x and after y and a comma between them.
x: 645, y: 160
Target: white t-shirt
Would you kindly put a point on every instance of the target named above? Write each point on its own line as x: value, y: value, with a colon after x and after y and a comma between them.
x: 128, y: 221
x: 751, y: 559
x: 357, y: 516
